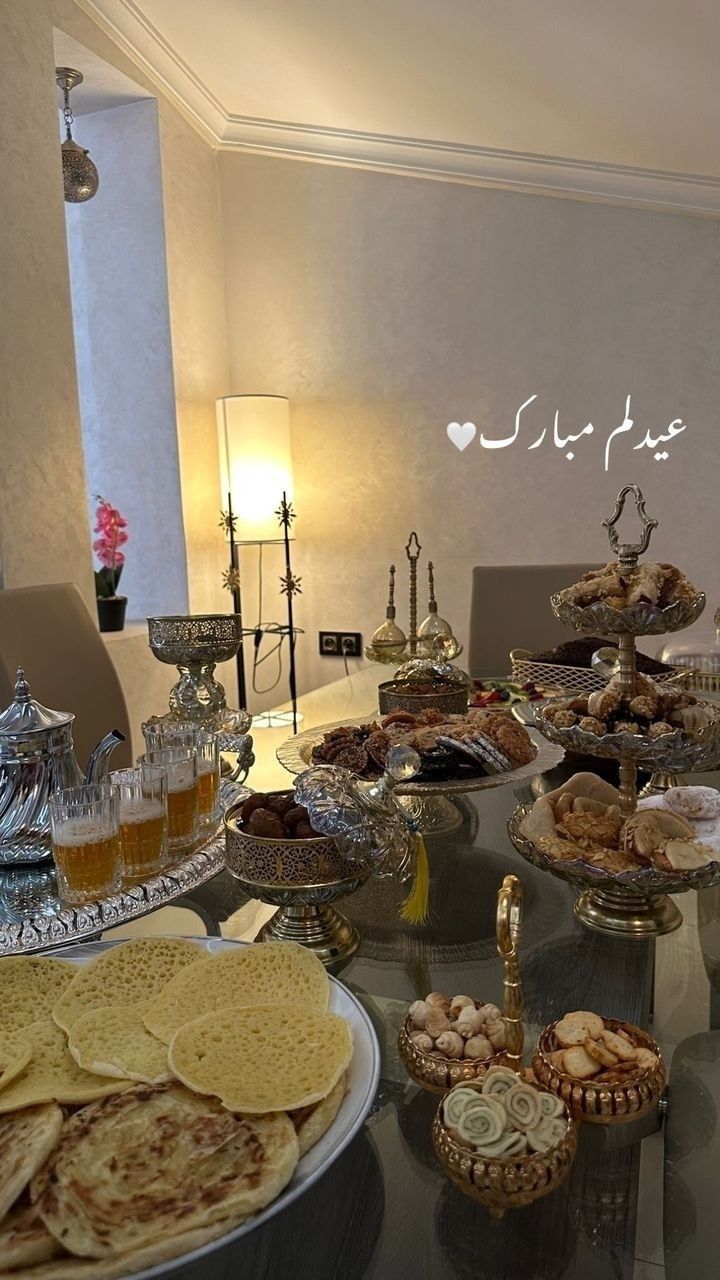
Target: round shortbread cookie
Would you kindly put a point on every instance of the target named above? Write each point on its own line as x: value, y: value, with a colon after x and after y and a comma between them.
x: 701, y: 803
x: 575, y: 1028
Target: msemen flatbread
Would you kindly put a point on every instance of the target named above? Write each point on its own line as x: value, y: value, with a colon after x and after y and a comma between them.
x: 15, y: 1053
x: 312, y: 1122
x: 260, y: 974
x: 263, y: 1059
x: 125, y: 1264
x: 52, y: 1074
x: 115, y: 1042
x: 26, y: 1140
x: 30, y: 986
x: 128, y: 974
x: 135, y: 1168
x: 24, y: 1238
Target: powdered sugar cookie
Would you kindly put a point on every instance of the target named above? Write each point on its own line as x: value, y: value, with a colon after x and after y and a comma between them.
x: 702, y: 803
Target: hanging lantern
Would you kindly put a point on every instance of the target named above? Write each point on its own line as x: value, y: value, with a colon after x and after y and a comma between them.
x: 80, y: 176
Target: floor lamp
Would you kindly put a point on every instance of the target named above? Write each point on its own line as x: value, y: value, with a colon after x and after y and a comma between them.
x: 256, y: 488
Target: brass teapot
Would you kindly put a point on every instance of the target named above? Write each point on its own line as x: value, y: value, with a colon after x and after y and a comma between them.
x: 37, y: 758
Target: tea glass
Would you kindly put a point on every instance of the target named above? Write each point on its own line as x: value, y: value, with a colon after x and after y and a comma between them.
x: 208, y: 758
x: 159, y: 733
x: 180, y: 766
x: 143, y: 820
x: 85, y: 831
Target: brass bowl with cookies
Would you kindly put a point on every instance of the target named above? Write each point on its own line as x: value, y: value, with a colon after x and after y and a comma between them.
x: 605, y: 1070
x: 531, y: 1155
x: 445, y: 1041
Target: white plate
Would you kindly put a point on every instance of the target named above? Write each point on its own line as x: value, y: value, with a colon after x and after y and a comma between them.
x: 362, y: 1081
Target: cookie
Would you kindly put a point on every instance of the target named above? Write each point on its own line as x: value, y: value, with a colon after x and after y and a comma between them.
x: 576, y: 1028
x: 599, y: 1051
x: 702, y: 803
x: 618, y: 1045
x: 579, y: 1064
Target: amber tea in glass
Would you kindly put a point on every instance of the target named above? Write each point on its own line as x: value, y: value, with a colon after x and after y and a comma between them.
x: 143, y: 821
x: 85, y: 831
x: 180, y: 767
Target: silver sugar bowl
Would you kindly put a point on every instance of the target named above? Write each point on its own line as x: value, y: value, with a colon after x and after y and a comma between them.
x: 37, y: 758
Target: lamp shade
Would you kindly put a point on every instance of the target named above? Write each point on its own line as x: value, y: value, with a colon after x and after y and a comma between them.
x: 255, y: 462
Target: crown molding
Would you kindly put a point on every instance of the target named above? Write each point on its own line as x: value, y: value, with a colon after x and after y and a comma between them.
x: 536, y: 174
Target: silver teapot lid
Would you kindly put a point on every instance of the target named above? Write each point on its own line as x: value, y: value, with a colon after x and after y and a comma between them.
x: 25, y: 715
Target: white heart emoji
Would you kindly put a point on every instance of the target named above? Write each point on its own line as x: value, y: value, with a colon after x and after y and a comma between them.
x: 461, y: 434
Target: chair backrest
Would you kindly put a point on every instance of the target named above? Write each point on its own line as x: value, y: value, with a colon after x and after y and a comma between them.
x: 510, y: 609
x: 48, y: 630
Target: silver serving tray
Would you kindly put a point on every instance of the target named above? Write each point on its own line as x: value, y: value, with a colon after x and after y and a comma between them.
x: 295, y: 755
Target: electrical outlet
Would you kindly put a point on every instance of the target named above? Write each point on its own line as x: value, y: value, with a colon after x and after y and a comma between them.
x: 340, y: 644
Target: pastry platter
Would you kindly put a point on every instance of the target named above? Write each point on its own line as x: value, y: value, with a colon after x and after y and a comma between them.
x: 184, y: 1210
x: 429, y: 803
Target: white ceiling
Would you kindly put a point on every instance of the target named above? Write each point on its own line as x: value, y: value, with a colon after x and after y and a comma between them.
x: 567, y: 93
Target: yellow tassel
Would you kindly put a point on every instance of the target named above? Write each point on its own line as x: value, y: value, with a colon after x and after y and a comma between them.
x: 416, y: 907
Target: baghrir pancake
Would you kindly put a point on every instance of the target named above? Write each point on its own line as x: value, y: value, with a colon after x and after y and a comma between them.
x: 311, y: 1123
x: 262, y: 974
x: 15, y: 1053
x: 26, y: 1140
x: 30, y: 987
x: 268, y: 1058
x: 128, y: 974
x: 114, y: 1041
x: 140, y: 1166
x: 52, y: 1074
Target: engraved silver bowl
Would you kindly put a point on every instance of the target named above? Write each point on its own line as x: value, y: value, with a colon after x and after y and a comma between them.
x: 627, y: 903
x: 672, y: 753
x: 642, y: 619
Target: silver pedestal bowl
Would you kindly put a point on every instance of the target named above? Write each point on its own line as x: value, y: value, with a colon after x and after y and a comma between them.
x: 195, y: 644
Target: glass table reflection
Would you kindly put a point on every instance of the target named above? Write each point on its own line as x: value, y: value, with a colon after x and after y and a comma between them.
x: 384, y: 1211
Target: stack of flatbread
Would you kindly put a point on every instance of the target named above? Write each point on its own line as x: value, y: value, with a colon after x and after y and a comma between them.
x: 154, y: 1098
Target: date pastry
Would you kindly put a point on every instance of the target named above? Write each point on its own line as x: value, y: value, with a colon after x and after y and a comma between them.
x: 603, y: 703
x: 591, y: 724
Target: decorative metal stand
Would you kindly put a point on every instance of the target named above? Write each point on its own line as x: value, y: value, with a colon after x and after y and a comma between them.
x: 432, y: 639
x: 636, y: 905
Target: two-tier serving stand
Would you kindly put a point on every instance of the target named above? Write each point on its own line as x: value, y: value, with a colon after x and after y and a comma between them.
x: 630, y: 904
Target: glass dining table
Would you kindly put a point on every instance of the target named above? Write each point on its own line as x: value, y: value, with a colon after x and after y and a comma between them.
x: 636, y: 1203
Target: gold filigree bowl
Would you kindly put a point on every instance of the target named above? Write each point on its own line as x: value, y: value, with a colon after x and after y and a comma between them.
x: 503, y: 1182
x: 436, y: 1073
x: 450, y: 699
x: 603, y: 1103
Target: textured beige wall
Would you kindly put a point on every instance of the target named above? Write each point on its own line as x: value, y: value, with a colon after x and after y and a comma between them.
x: 44, y: 533
x: 386, y: 307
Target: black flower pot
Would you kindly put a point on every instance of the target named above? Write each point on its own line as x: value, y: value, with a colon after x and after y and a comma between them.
x: 111, y: 612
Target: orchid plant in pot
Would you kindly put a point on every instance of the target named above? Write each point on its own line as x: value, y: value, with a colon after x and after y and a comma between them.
x: 111, y: 528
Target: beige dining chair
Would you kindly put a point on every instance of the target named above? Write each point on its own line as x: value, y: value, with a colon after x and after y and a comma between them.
x: 49, y: 631
x: 510, y: 609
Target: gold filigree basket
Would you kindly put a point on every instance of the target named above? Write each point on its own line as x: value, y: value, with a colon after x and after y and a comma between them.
x: 504, y: 1182
x: 437, y: 1074
x: 603, y: 1103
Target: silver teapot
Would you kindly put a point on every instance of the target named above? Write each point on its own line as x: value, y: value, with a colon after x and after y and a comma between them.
x: 37, y: 758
